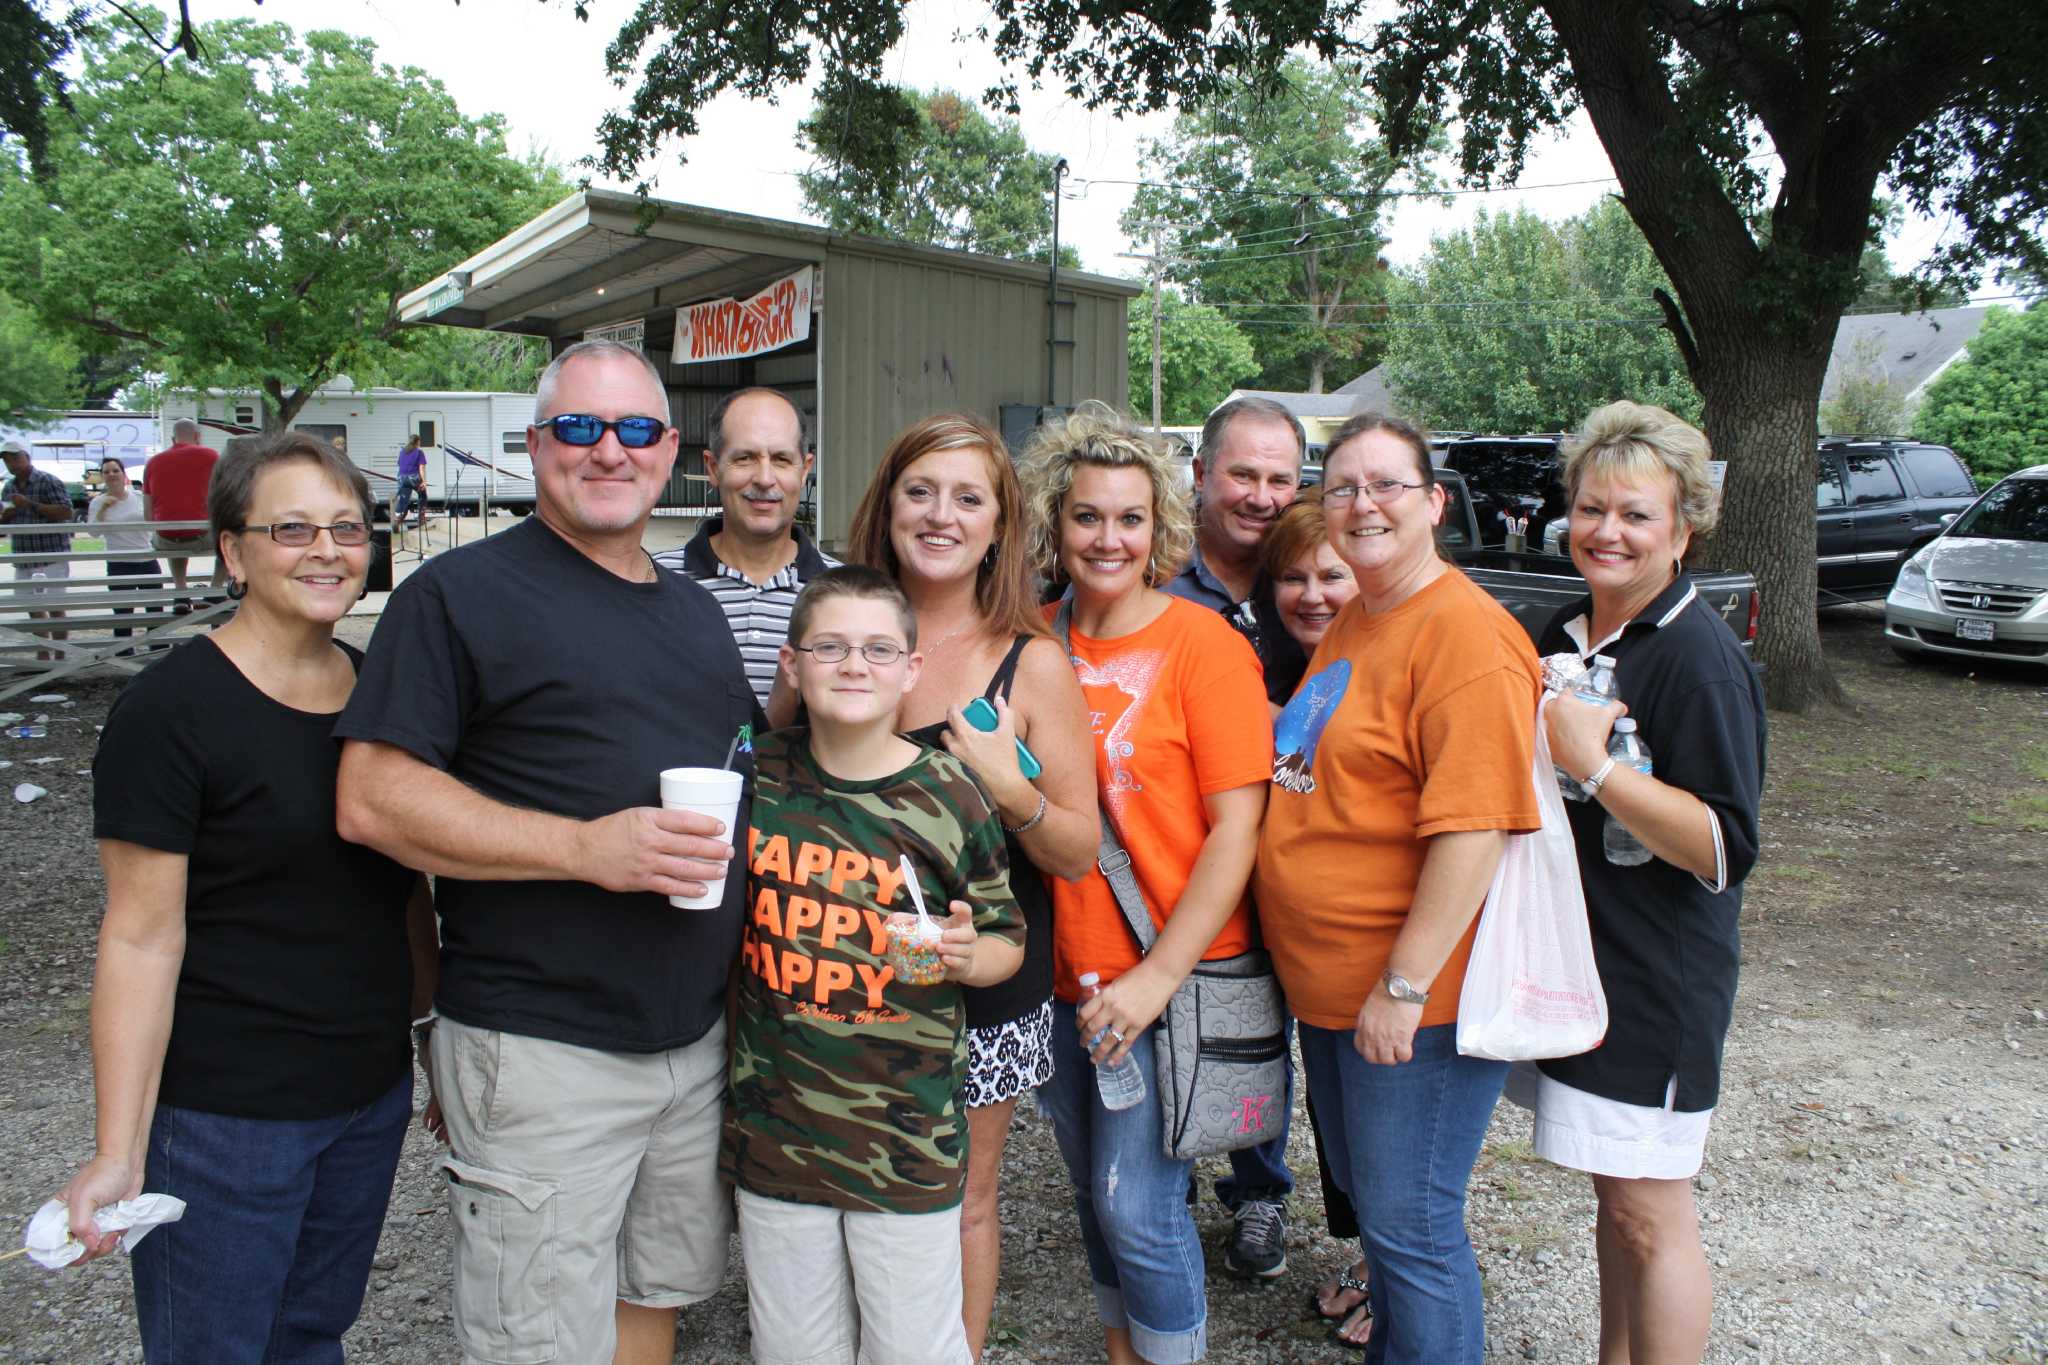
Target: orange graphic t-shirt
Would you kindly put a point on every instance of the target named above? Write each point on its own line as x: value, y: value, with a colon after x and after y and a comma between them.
x: 1414, y: 722
x: 1178, y: 712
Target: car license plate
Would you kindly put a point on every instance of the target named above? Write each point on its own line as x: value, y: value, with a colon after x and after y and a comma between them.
x: 1976, y: 630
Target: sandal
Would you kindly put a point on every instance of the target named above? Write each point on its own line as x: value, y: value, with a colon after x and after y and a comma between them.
x: 1351, y: 1281
x: 1361, y: 1313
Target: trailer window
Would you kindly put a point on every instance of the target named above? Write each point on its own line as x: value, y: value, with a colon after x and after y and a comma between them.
x: 514, y: 443
x: 428, y: 436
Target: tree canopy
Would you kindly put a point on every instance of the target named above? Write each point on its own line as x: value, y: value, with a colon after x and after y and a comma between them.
x: 1269, y: 204
x: 1991, y: 406
x: 250, y: 220
x: 928, y: 166
x: 1516, y: 324
x: 1202, y: 357
x: 1750, y: 140
x: 38, y: 374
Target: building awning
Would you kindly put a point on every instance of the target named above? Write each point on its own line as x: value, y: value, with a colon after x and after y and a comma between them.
x: 601, y: 256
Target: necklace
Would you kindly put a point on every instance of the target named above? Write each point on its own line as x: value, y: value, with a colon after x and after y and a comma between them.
x: 943, y: 640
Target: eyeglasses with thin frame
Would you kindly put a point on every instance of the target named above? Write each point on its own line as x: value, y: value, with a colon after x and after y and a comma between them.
x: 1381, y: 491
x: 299, y: 534
x: 880, y: 653
x: 582, y: 429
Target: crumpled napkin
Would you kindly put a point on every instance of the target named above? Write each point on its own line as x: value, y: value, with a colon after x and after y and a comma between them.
x: 49, y: 1242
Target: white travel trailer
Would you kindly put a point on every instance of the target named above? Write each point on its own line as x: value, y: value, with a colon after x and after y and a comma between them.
x: 475, y: 443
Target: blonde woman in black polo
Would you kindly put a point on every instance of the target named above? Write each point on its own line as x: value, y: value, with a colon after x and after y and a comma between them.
x: 1634, y: 1112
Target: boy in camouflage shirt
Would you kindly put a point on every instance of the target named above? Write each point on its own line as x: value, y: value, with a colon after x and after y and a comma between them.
x: 845, y: 1132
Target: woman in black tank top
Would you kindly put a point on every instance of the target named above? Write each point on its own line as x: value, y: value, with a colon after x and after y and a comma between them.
x: 945, y: 518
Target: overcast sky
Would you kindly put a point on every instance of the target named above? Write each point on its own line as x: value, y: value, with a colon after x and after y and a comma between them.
x: 543, y: 70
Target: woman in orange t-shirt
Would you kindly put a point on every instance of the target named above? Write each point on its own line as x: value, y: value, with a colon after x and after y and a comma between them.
x: 1404, y: 762
x: 1183, y: 750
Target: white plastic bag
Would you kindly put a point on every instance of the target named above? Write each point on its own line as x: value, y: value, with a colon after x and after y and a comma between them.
x: 1531, y: 988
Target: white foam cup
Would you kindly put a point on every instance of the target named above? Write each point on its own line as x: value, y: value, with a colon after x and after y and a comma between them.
x: 708, y: 791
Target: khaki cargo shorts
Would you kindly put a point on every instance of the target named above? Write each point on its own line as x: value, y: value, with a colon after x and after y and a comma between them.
x: 576, y: 1178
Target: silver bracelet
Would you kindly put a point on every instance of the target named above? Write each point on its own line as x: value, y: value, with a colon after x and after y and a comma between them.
x: 1030, y: 824
x: 1593, y: 781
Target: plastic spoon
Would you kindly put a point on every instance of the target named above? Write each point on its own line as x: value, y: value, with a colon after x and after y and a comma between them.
x: 924, y: 919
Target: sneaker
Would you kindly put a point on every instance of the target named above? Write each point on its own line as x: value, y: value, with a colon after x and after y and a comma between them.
x: 1258, y: 1240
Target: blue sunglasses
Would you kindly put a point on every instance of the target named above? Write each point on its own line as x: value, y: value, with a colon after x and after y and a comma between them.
x: 581, y: 429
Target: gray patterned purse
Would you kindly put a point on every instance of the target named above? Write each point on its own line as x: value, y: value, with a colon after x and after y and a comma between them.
x: 1221, y: 1048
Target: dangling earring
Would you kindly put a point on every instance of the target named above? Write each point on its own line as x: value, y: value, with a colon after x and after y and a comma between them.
x: 988, y: 558
x: 237, y: 589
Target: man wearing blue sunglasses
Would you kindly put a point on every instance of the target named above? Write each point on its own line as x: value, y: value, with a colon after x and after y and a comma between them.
x: 519, y: 701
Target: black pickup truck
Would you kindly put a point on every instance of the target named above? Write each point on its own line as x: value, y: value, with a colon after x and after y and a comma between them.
x: 1532, y: 585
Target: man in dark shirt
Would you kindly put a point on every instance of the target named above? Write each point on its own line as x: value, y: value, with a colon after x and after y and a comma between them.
x: 36, y: 495
x: 520, y: 699
x: 1248, y: 470
x: 753, y: 557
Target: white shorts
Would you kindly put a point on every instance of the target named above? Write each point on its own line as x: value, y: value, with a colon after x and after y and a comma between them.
x: 830, y: 1287
x: 1606, y: 1137
x: 45, y: 579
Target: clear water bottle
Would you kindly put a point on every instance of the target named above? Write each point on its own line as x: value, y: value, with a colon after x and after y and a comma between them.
x: 27, y: 731
x: 1122, y: 1085
x: 1627, y: 749
x: 1596, y: 688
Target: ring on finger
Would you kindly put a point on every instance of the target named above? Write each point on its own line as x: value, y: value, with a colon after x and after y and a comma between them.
x: 1117, y: 1034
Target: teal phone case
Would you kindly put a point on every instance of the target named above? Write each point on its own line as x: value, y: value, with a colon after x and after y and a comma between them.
x: 982, y: 716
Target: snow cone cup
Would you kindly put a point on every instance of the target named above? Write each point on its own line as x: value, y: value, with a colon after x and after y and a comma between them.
x: 914, y: 949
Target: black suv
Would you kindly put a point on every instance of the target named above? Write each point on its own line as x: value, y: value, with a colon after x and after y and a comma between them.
x: 1514, y: 480
x: 1877, y: 502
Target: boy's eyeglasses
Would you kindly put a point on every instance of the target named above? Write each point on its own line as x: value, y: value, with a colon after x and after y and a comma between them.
x: 878, y: 652
x: 302, y: 533
x: 1379, y: 490
x: 581, y: 429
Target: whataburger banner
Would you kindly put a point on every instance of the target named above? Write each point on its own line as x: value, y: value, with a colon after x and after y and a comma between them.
x: 726, y: 329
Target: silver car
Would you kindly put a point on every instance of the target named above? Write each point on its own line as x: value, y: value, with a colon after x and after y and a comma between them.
x: 1979, y: 590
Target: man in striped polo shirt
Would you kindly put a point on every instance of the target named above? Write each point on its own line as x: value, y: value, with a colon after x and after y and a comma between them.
x: 754, y: 558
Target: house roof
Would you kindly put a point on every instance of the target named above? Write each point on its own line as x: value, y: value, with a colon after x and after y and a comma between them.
x: 1303, y: 404
x: 1370, y: 390
x: 1910, y: 348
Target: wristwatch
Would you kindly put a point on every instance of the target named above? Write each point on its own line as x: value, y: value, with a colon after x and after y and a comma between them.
x: 1403, y: 990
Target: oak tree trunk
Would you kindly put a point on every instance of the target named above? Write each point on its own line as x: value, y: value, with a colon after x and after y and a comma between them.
x: 1760, y: 417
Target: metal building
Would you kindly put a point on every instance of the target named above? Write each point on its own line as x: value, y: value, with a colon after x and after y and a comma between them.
x: 865, y: 335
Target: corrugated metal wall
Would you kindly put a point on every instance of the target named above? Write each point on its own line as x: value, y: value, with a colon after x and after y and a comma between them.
x: 905, y: 338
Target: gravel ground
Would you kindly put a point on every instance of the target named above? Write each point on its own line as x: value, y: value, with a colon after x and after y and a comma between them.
x: 1875, y: 1187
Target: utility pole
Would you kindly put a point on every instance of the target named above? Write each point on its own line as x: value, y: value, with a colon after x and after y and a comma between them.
x: 1052, y: 293
x: 1157, y: 262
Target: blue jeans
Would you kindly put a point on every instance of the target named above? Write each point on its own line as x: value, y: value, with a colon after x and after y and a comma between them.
x: 1402, y: 1141
x: 1261, y: 1172
x: 1144, y: 1254
x: 269, y: 1263
x: 409, y: 494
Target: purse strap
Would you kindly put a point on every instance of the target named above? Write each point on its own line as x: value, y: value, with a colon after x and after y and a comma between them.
x: 1110, y: 855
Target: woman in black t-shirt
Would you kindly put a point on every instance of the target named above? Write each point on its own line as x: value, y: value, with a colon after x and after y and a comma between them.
x: 256, y: 973
x: 1662, y: 856
x: 944, y: 517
